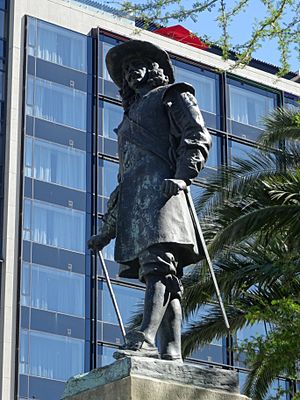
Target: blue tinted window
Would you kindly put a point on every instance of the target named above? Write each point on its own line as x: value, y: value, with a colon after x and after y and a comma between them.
x: 202, y: 311
x: 57, y: 45
x: 107, y: 177
x: 292, y: 103
x: 247, y: 107
x: 55, y: 226
x: 238, y: 150
x: 2, y: 24
x: 250, y: 331
x: 54, y: 163
x: 106, y: 85
x: 205, y: 87
x: 24, y: 356
x: 105, y: 355
x: 214, y: 157
x: 56, y: 103
x: 110, y: 177
x: 196, y: 192
x: 106, y: 48
x: 129, y: 301
x: 108, y: 251
x: 50, y: 356
x: 2, y: 111
x: 212, y: 351
x: 3, y: 4
x: 2, y: 85
x: 31, y: 36
x: 51, y: 289
x: 112, y: 116
x: 2, y: 53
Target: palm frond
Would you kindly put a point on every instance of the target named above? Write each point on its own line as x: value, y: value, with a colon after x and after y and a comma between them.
x: 247, y: 264
x: 238, y: 180
x: 272, y: 219
x: 281, y: 124
x: 211, y: 326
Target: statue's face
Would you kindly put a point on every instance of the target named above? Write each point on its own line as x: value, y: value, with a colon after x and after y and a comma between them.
x: 135, y: 72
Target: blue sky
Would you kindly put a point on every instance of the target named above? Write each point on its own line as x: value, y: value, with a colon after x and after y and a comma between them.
x: 240, y: 30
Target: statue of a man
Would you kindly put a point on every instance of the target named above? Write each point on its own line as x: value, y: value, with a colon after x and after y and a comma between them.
x: 163, y: 144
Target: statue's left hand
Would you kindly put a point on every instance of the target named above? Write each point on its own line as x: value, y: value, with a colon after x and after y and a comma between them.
x: 171, y: 187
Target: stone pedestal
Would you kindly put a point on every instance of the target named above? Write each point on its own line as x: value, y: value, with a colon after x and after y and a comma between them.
x: 138, y: 378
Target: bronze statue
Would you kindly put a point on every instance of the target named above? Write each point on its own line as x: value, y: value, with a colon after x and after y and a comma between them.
x: 163, y: 144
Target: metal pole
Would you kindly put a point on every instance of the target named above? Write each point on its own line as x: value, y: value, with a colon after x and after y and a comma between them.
x: 112, y: 295
x: 207, y: 256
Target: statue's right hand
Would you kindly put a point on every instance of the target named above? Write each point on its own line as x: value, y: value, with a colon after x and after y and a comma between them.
x: 97, y: 242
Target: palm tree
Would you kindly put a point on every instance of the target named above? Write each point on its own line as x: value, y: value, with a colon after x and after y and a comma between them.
x: 251, y: 218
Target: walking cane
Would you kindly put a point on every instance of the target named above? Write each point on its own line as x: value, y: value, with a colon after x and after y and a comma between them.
x: 207, y: 256
x: 112, y: 295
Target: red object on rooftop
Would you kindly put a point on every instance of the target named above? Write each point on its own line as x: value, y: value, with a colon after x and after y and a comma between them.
x: 183, y: 35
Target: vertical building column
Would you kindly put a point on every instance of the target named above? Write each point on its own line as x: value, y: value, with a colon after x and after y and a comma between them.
x: 9, y: 281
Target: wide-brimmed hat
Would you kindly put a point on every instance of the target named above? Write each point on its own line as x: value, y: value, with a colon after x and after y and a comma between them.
x: 136, y: 49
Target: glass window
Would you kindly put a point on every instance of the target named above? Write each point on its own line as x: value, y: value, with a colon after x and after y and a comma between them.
x: 54, y: 163
x: 106, y: 48
x: 51, y: 289
x: 292, y: 103
x: 3, y: 4
x: 105, y: 355
x: 195, y: 317
x: 248, y: 106
x: 109, y: 250
x: 106, y: 85
x: 2, y: 110
x: 109, y: 176
x: 50, y: 356
x: 129, y: 301
x: 2, y: 85
x: 56, y: 103
x: 196, y: 192
x: 53, y: 225
x: 214, y: 159
x: 2, y: 53
x: 2, y: 24
x: 112, y: 116
x: 25, y: 287
x: 204, y: 86
x: 58, y: 45
x: 24, y: 349
x: 249, y: 331
x: 213, y: 351
x: 238, y: 150
x: 31, y: 36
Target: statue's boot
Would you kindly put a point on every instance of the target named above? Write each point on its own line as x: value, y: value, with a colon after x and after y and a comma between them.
x: 138, y: 345
x: 170, y: 332
x: 142, y: 342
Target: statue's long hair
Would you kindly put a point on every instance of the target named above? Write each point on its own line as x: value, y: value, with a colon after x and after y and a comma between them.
x: 156, y: 78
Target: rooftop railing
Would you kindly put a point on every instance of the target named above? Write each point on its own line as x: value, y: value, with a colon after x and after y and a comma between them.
x: 102, y: 7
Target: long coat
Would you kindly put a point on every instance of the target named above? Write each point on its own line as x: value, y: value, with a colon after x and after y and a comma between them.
x: 162, y: 136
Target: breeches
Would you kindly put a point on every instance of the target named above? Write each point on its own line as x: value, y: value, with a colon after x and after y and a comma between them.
x: 161, y: 260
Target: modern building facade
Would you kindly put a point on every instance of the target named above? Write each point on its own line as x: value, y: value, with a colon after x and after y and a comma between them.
x: 58, y: 165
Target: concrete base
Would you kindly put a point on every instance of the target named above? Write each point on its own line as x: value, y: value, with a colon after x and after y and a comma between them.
x: 139, y: 378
